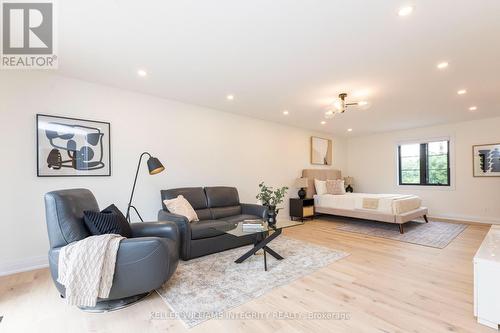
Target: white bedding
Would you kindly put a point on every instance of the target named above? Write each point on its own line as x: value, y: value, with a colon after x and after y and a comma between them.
x: 386, y: 203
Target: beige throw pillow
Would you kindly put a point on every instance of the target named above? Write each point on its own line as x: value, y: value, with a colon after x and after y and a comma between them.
x: 335, y: 186
x: 182, y: 207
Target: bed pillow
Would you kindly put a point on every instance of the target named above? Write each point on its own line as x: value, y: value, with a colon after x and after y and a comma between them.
x: 335, y: 187
x: 320, y: 186
x: 182, y: 207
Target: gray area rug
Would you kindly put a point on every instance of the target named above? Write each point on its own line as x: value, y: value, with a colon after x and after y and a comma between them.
x: 205, y: 287
x: 433, y: 234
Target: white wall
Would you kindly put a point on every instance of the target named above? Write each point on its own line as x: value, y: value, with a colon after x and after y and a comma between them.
x: 372, y: 163
x: 198, y: 146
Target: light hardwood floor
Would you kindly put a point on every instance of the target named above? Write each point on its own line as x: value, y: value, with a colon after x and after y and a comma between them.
x: 385, y: 286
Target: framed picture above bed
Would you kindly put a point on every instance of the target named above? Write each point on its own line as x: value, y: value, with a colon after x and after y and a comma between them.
x: 486, y: 160
x: 321, y: 151
x: 69, y: 147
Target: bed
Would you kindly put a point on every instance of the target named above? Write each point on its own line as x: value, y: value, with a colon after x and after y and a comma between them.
x: 389, y: 208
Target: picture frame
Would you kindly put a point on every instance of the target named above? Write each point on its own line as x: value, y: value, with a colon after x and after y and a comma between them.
x: 321, y: 151
x: 72, y: 147
x: 486, y: 160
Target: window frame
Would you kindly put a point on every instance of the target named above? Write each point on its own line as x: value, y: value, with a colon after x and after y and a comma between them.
x: 424, y: 164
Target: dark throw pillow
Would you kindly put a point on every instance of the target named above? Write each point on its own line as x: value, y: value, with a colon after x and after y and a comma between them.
x: 109, y: 221
x: 122, y: 220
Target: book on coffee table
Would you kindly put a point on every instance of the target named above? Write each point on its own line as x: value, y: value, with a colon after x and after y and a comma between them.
x: 252, y: 225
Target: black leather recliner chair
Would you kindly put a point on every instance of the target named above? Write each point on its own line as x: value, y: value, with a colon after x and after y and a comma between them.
x: 144, y: 262
x: 218, y: 208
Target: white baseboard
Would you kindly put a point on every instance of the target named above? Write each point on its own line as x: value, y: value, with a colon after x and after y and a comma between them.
x: 470, y: 219
x: 24, y: 265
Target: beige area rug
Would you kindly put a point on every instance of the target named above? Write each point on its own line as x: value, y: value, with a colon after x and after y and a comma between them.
x: 205, y: 287
x: 432, y: 234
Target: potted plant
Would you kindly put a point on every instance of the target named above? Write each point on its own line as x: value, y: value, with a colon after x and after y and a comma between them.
x: 271, y: 198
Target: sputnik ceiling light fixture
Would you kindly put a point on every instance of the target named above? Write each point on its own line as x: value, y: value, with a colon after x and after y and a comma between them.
x: 340, y: 106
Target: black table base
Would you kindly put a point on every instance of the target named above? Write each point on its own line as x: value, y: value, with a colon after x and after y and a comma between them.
x: 261, y: 243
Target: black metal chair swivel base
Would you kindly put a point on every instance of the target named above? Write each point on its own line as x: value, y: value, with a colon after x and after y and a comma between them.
x: 113, y: 305
x: 262, y: 241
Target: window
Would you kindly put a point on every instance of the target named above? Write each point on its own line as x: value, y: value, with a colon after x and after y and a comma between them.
x: 424, y: 163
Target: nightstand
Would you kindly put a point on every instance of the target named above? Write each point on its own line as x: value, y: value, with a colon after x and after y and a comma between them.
x: 301, y: 208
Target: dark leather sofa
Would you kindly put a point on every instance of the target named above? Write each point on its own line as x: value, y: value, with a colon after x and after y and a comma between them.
x: 144, y: 262
x: 218, y: 209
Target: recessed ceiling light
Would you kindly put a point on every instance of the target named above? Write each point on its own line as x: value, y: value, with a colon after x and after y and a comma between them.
x: 473, y: 108
x: 349, y: 130
x: 285, y: 112
x: 323, y: 122
x: 362, y: 103
x: 405, y: 11
x: 442, y: 65
x: 142, y: 72
x: 462, y: 92
x: 230, y: 97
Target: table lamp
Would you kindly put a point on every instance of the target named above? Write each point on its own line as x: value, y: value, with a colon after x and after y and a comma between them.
x: 348, y: 181
x: 301, y: 183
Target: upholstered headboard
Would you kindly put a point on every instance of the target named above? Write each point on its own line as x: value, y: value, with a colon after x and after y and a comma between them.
x: 321, y: 174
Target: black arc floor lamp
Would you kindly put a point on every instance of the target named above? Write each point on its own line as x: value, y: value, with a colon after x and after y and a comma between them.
x: 154, y: 167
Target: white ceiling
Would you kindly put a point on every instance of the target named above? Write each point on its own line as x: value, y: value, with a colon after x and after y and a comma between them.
x: 295, y: 55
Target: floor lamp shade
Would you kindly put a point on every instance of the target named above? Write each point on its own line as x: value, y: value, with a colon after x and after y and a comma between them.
x: 155, y: 166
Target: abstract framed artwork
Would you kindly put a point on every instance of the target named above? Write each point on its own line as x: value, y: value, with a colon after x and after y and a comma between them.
x: 321, y: 151
x: 71, y: 147
x: 486, y: 160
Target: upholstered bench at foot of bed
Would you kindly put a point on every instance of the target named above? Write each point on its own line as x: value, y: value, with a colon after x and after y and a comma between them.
x: 410, y: 216
x: 399, y: 219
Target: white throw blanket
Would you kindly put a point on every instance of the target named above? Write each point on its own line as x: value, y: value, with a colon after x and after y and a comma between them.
x: 87, y: 267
